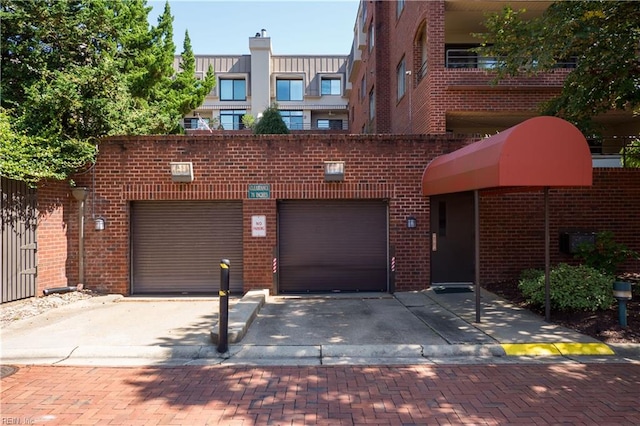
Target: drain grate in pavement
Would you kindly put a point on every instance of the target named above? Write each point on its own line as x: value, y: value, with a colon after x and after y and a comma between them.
x: 7, y: 370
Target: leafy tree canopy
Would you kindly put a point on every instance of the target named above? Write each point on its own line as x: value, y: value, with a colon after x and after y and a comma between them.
x: 31, y: 158
x: 77, y: 70
x: 271, y: 122
x: 604, y: 37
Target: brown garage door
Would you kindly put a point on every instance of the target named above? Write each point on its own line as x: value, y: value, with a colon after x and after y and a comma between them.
x: 177, y: 246
x: 336, y: 245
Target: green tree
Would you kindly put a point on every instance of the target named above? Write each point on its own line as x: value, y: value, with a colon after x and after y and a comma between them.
x: 31, y: 158
x: 249, y: 121
x: 631, y: 154
x: 77, y: 70
x: 271, y: 122
x: 188, y: 91
x: 604, y: 37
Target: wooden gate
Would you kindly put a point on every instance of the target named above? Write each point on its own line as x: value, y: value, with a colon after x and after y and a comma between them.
x: 19, y: 220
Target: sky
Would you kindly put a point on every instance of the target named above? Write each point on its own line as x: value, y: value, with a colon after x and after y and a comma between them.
x: 296, y: 27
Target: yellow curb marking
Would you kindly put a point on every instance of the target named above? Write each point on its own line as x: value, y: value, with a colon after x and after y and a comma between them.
x: 584, y: 349
x: 530, y: 349
x: 542, y: 349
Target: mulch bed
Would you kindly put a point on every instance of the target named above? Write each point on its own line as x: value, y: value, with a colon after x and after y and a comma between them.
x: 603, y: 325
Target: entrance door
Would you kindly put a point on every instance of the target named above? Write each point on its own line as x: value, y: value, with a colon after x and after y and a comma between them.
x: 452, y: 239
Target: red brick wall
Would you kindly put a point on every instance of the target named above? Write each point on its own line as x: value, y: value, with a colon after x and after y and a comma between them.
x: 381, y: 167
x: 378, y: 167
x: 258, y: 252
x: 442, y: 90
x: 57, y: 251
x: 358, y: 98
x: 512, y: 225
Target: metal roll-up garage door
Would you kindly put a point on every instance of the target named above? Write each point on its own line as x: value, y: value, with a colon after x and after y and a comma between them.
x: 176, y: 246
x: 332, y: 245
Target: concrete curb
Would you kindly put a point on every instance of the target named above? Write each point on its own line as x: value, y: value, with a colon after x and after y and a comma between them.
x: 244, y: 312
x: 241, y: 315
x: 306, y: 355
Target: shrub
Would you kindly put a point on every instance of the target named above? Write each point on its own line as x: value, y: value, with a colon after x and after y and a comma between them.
x: 271, y: 122
x: 580, y: 288
x: 606, y: 254
x: 631, y: 154
x: 249, y: 121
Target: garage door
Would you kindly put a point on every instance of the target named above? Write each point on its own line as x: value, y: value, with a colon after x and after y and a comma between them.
x: 335, y: 245
x: 176, y: 246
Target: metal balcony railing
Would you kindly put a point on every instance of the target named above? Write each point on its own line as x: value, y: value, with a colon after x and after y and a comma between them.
x: 333, y: 125
x: 467, y: 58
x: 422, y: 72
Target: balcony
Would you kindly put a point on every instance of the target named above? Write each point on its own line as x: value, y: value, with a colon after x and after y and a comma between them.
x: 468, y: 58
x: 331, y: 126
x: 612, y: 151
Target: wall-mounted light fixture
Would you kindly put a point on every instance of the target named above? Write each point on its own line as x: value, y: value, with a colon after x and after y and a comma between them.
x: 100, y: 224
x: 182, y: 171
x: 412, y: 222
x: 333, y: 171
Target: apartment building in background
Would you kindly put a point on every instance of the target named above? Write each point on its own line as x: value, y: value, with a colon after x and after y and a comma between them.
x: 413, y: 70
x: 311, y: 91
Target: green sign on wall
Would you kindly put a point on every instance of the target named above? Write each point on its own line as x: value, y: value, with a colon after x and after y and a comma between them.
x: 260, y: 191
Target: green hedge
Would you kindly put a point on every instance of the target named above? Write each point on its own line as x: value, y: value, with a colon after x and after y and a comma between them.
x: 579, y: 288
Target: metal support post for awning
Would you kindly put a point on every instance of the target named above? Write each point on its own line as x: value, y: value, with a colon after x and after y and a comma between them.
x: 476, y: 219
x: 547, y: 258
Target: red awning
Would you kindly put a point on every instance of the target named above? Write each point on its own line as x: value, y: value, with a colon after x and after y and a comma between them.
x: 539, y: 152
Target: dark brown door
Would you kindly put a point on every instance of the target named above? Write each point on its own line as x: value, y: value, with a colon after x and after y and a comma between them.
x: 452, y: 239
x: 332, y: 245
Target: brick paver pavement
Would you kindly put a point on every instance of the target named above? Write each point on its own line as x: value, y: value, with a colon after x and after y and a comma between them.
x: 324, y: 395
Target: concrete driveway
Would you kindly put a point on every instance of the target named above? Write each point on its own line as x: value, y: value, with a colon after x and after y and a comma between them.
x: 411, y: 327
x: 116, y: 321
x: 348, y: 320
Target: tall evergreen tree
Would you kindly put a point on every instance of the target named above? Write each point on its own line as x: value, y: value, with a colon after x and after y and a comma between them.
x: 189, y: 91
x: 77, y: 70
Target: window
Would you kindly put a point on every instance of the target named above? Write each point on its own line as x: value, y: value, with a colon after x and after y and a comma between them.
x: 363, y: 87
x: 325, y: 123
x: 420, y: 61
x: 331, y: 86
x: 233, y: 90
x: 399, y: 8
x: 288, y: 90
x: 372, y: 104
x: 293, y: 119
x: 231, y: 119
x: 401, y: 73
x: 364, y: 11
x: 372, y: 36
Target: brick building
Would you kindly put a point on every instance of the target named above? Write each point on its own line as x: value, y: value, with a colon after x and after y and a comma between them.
x: 265, y: 203
x: 412, y: 70
x: 324, y: 212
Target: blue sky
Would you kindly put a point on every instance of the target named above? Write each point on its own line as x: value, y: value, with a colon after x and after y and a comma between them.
x: 218, y: 27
